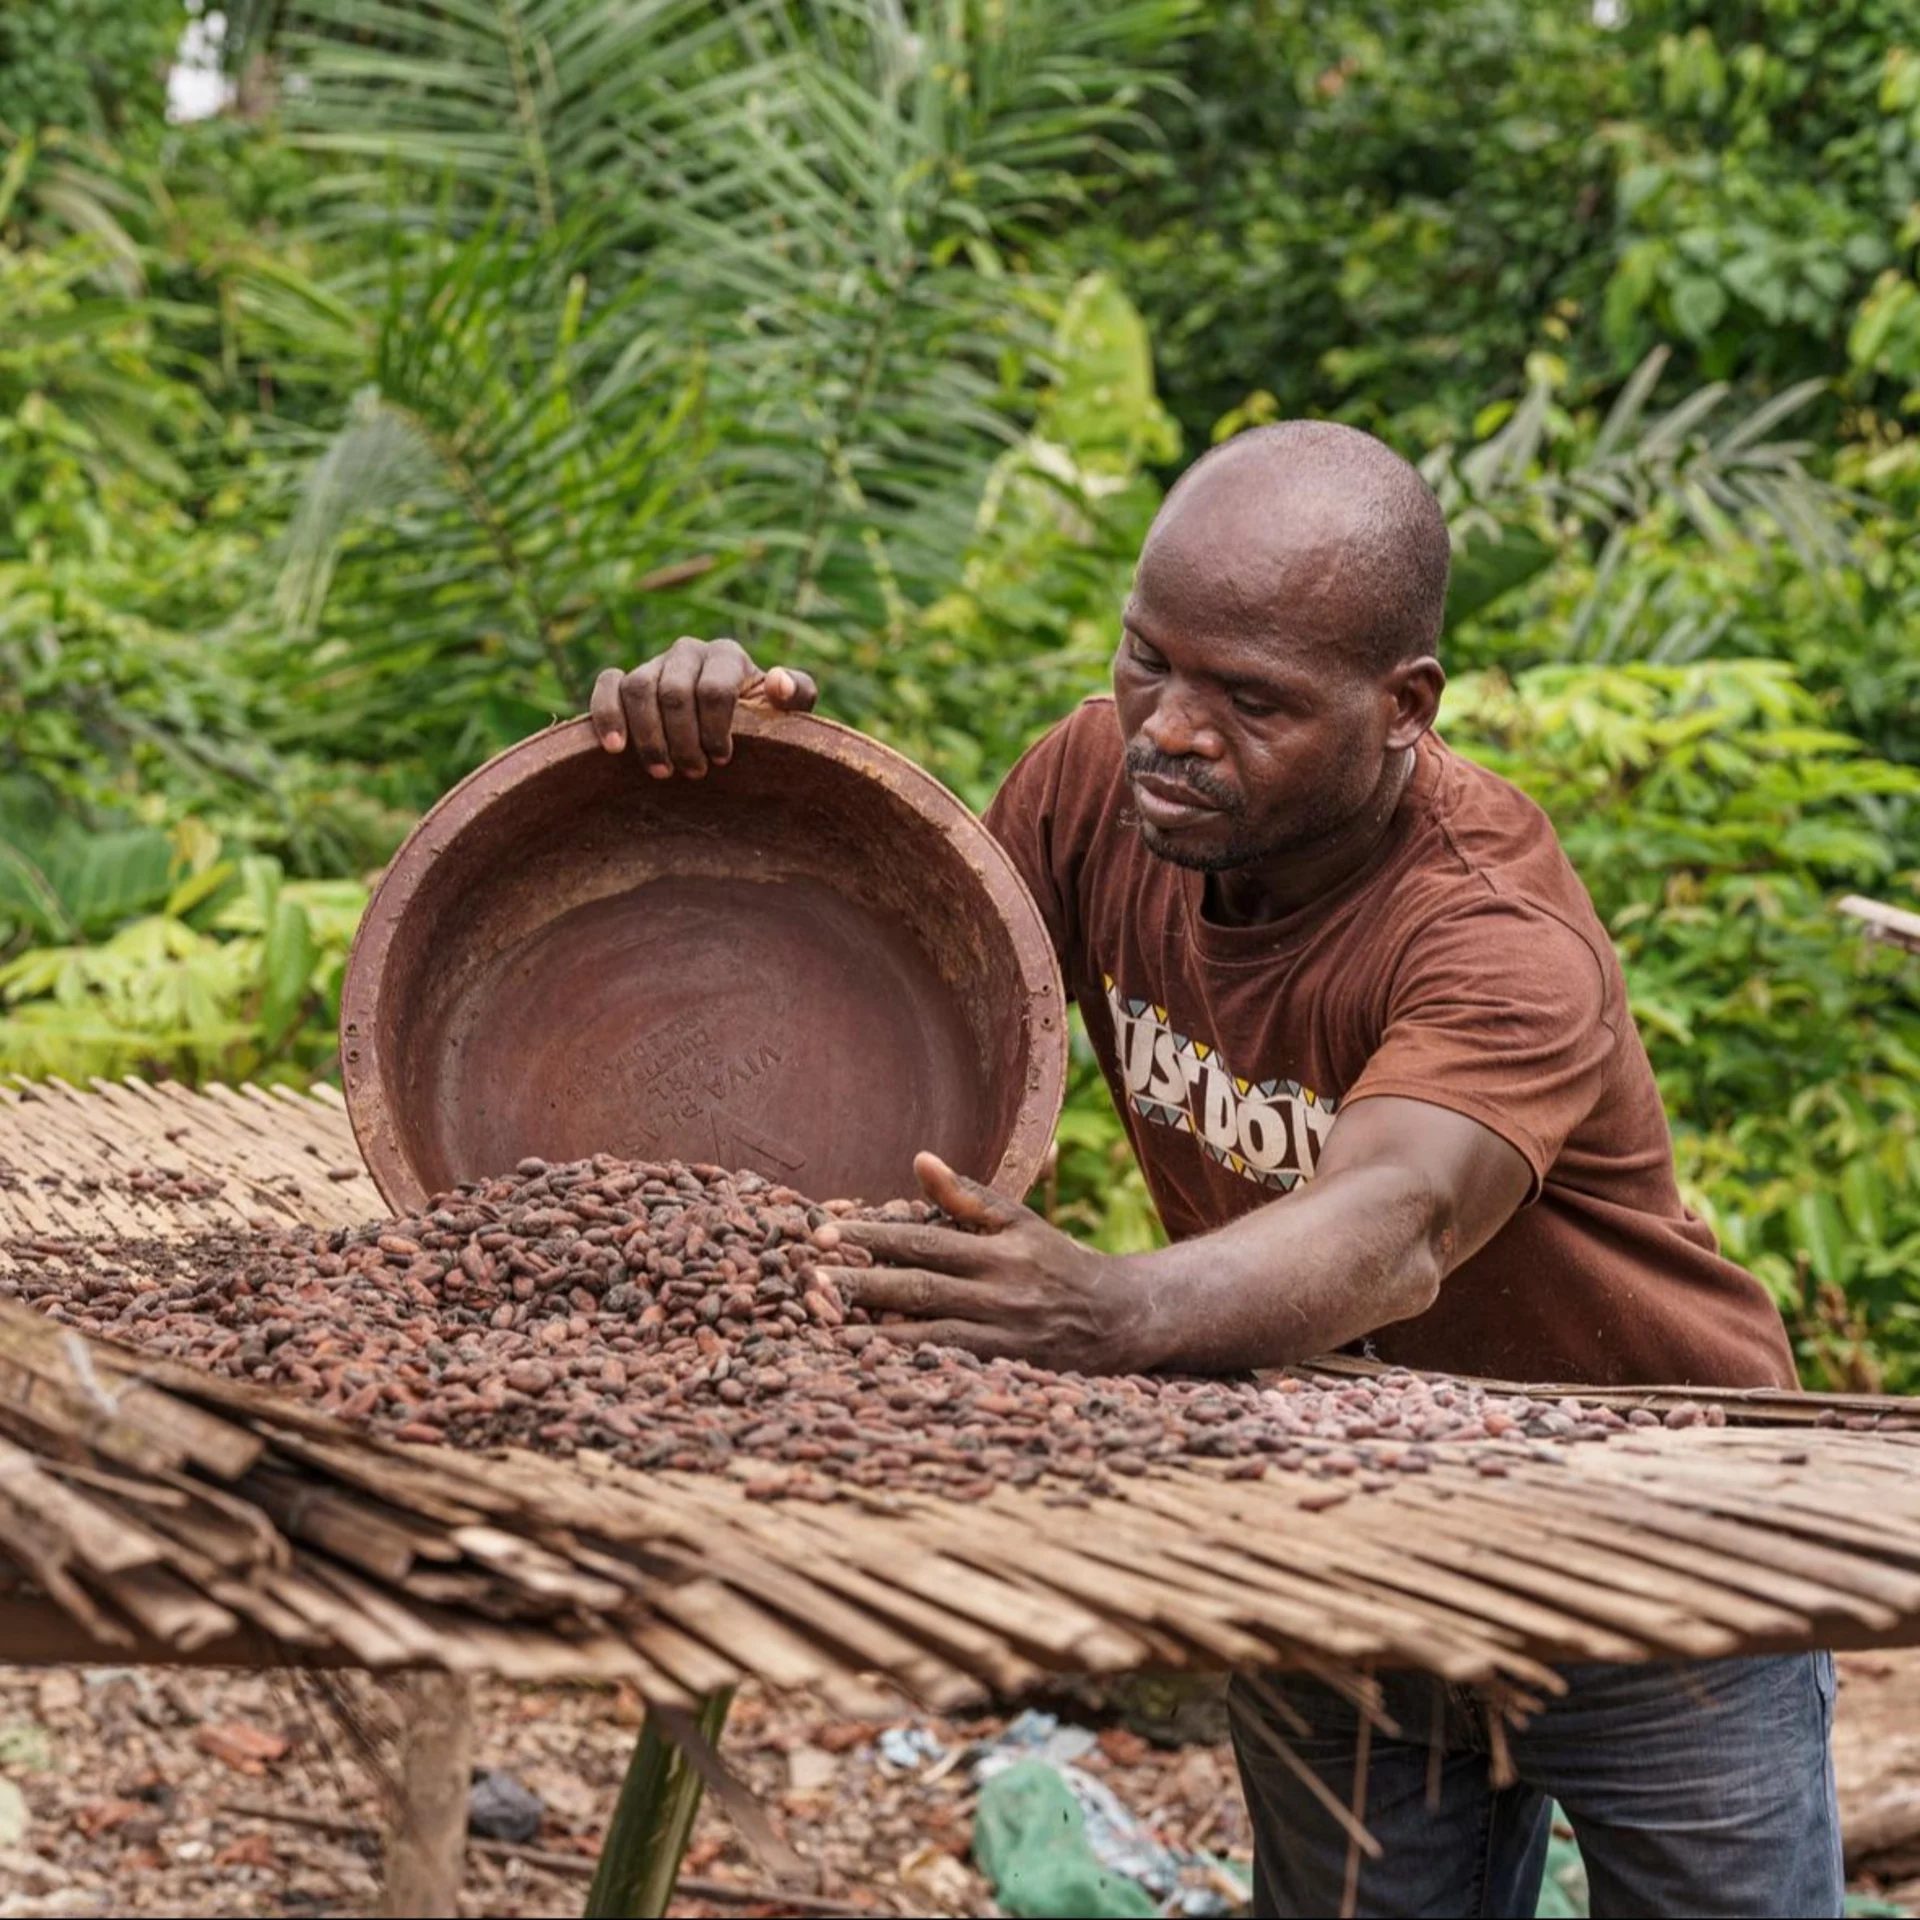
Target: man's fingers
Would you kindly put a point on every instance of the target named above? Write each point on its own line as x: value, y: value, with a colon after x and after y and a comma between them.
x: 965, y: 1200
x: 678, y: 695
x: 939, y: 1249
x: 989, y: 1343
x: 791, y: 691
x: 911, y: 1291
x: 609, y: 717
x: 677, y: 711
x: 715, y: 696
x: 781, y: 690
x: 640, y: 703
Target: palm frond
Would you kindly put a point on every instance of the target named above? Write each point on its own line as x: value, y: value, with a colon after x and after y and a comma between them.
x: 1516, y: 503
x: 520, y: 468
x: 817, y: 211
x: 858, y: 224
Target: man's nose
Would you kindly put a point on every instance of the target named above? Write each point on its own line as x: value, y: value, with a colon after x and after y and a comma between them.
x: 1179, y: 728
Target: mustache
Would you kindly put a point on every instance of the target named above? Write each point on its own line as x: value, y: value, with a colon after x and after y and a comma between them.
x: 1185, y: 770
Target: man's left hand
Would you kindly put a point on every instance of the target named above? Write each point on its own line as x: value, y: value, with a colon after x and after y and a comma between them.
x: 1011, y: 1285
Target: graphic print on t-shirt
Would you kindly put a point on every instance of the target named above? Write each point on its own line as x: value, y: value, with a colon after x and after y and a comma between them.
x: 1267, y: 1131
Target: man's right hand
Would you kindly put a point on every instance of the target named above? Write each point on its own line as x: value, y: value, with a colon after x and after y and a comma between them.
x: 676, y: 710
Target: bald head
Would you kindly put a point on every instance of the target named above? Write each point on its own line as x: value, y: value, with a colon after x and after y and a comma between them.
x: 1308, y: 529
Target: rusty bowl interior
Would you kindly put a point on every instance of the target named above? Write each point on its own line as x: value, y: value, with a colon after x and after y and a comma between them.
x: 813, y: 963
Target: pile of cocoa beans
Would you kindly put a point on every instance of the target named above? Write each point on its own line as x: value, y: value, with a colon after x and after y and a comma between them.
x: 687, y: 1318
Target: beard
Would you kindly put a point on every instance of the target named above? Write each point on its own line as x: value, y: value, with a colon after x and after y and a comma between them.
x: 1246, y: 847
x: 1247, y: 840
x: 1238, y: 851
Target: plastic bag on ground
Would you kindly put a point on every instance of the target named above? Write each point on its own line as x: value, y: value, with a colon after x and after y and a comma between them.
x: 1030, y: 1840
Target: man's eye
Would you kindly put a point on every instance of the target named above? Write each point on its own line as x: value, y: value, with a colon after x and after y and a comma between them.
x: 1252, y: 708
x: 1145, y: 657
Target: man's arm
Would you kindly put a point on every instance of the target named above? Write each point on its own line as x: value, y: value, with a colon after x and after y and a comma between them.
x: 1404, y: 1192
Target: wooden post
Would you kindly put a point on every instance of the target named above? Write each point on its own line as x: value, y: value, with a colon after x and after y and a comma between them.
x: 427, y: 1824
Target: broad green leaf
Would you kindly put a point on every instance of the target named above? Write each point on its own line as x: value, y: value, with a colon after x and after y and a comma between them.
x: 286, y: 968
x: 1863, y: 1197
x: 1821, y: 1231
x: 1699, y: 304
x: 200, y: 887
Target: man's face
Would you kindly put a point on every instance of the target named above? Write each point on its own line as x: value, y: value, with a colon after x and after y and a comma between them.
x: 1252, y: 728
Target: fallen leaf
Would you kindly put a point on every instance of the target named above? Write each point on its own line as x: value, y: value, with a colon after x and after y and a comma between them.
x: 569, y: 1801
x: 843, y: 1735
x: 810, y: 1768
x: 1198, y: 1779
x: 28, y: 1875
x: 940, y: 1880
x: 13, y: 1814
x: 250, y: 1850
x: 26, y: 1746
x: 245, y: 1749
x: 61, y: 1691
x: 102, y: 1816
x: 1122, y: 1746
x: 146, y: 1783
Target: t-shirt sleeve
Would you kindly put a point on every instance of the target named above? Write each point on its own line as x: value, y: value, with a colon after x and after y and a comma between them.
x: 1499, y: 1012
x: 1024, y: 816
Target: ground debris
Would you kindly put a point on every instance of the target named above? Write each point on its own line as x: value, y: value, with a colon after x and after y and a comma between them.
x: 873, y: 1835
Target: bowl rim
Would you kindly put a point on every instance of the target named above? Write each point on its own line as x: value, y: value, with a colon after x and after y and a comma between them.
x: 1043, y: 1014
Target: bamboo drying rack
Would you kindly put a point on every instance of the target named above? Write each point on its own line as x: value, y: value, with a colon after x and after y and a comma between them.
x: 338, y: 1547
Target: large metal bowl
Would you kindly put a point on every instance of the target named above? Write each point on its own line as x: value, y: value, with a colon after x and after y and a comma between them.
x: 812, y: 963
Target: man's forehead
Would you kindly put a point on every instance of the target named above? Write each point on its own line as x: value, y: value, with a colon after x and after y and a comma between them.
x: 1234, y: 572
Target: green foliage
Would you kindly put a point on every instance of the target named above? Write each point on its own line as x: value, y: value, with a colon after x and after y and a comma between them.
x: 1714, y: 817
x: 1027, y: 627
x: 89, y: 64
x: 512, y: 480
x: 698, y: 302
x: 1770, y: 156
x: 1686, y: 480
x: 58, y: 880
x: 179, y: 961
x: 130, y: 532
x: 1333, y: 230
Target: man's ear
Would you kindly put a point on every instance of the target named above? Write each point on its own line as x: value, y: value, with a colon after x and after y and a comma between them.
x: 1414, y: 687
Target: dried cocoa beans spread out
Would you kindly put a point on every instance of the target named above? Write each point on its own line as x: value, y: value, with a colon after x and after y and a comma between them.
x: 684, y: 1317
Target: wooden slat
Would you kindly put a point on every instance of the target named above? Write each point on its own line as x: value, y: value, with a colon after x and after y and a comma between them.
x: 670, y: 1506
x: 1883, y: 922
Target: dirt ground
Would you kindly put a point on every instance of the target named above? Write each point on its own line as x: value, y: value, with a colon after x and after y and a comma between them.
x: 136, y: 1791
x: 1876, y: 1752
x: 136, y: 1784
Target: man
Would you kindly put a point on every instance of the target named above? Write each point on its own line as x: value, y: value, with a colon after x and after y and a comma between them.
x: 1373, y: 1051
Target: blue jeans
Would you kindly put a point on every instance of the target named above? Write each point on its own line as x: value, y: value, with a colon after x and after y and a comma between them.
x: 1702, y: 1788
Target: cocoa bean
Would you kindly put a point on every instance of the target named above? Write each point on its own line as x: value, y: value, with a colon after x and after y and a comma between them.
x: 682, y: 1316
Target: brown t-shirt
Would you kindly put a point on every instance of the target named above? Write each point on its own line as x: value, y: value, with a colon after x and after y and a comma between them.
x: 1464, y: 966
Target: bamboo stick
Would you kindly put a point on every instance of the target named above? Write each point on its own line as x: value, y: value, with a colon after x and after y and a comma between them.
x: 652, y: 1822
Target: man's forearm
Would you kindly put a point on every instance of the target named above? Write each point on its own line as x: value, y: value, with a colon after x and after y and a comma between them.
x: 1353, y: 1251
